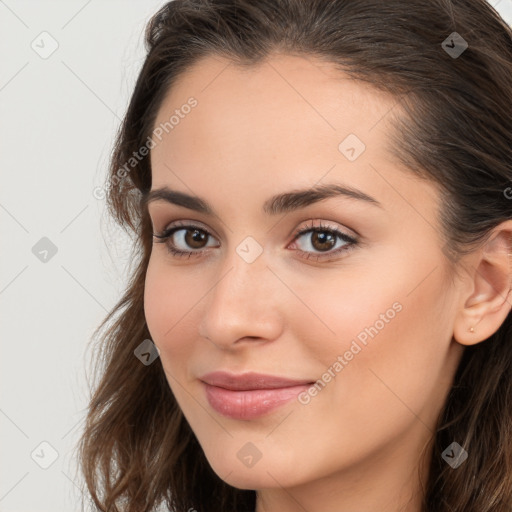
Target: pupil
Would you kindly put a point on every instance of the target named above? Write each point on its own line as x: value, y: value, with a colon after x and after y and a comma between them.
x: 323, y: 238
x: 195, y: 239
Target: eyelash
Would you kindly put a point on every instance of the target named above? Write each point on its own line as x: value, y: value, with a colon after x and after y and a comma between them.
x: 320, y: 228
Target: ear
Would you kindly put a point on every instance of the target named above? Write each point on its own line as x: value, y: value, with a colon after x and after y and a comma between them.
x: 487, y: 297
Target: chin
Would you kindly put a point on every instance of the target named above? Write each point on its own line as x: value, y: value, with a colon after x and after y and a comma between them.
x: 247, y: 480
x: 263, y: 475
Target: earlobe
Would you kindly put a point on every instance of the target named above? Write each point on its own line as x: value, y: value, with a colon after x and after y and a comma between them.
x: 484, y: 309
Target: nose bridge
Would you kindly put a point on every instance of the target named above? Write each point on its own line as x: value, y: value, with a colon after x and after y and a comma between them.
x: 244, y: 272
x: 241, y: 285
x: 242, y: 302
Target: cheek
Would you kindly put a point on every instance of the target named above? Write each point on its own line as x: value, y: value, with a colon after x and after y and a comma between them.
x: 390, y: 320
x: 387, y: 381
x: 169, y: 300
x: 343, y: 309
x: 158, y: 300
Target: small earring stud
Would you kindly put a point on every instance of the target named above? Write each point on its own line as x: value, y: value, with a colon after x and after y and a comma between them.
x: 471, y: 329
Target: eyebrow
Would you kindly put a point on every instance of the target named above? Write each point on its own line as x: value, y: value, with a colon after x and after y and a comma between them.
x: 280, y: 203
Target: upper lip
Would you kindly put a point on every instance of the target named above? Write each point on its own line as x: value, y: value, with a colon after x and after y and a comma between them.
x: 250, y: 380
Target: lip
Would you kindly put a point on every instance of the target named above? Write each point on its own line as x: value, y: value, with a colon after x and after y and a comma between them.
x: 249, y: 395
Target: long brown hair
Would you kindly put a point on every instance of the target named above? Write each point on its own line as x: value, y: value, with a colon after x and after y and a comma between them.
x: 137, y: 450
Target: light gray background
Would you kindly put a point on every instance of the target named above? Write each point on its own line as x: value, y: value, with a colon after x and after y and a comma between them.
x: 58, y: 117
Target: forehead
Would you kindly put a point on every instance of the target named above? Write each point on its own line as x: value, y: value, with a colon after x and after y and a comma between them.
x: 290, y: 96
x: 258, y: 129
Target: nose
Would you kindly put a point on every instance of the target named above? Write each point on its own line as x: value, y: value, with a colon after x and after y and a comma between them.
x: 244, y: 305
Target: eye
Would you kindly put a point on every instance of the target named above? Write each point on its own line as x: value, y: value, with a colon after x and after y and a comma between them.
x: 186, y: 236
x: 180, y: 238
x: 325, y: 240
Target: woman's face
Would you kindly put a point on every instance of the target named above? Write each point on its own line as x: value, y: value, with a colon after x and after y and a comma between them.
x: 369, y: 320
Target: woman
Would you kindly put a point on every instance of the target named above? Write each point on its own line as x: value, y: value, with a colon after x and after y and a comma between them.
x: 319, y: 316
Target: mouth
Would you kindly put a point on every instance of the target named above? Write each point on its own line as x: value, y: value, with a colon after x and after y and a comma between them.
x: 250, y: 395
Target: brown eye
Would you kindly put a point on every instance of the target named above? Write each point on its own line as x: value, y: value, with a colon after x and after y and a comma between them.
x: 185, y: 240
x: 195, y: 238
x: 323, y: 240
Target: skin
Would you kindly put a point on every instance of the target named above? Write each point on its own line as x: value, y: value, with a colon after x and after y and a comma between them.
x: 275, y: 128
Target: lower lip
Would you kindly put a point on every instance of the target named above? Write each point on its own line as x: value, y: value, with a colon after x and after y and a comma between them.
x: 246, y: 405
